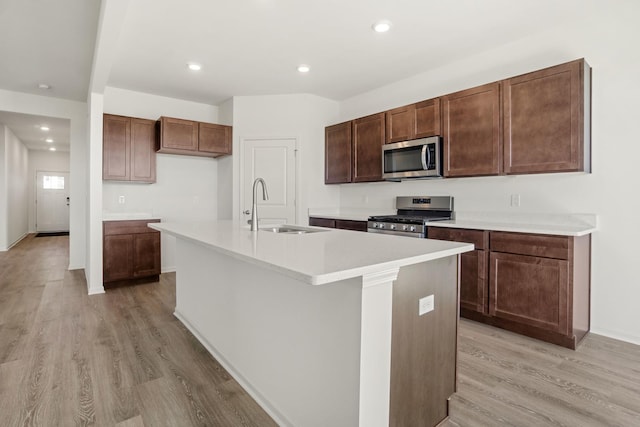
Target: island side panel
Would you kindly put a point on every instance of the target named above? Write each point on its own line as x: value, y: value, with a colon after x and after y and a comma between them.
x: 293, y: 346
x: 423, y: 355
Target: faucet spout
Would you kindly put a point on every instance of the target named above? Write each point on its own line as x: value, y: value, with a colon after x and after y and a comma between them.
x: 254, y: 206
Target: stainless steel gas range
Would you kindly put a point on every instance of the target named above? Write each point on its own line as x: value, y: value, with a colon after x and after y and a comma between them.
x: 413, y: 215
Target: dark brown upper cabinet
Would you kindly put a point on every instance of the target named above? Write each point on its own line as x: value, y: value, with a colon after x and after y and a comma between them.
x: 544, y: 120
x: 472, y: 134
x: 413, y: 121
x: 338, y: 153
x: 187, y: 137
x: 368, y: 139
x: 215, y: 139
x: 128, y: 149
x: 538, y: 122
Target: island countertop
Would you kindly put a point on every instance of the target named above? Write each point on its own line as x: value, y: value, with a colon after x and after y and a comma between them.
x: 318, y: 258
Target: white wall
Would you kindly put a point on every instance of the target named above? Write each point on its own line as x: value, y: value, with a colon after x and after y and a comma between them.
x: 76, y: 112
x: 3, y: 192
x: 41, y: 160
x: 608, y: 41
x: 281, y: 116
x: 225, y: 165
x: 13, y: 168
x: 186, y: 188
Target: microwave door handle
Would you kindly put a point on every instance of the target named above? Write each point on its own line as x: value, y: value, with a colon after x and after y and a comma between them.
x: 426, y: 157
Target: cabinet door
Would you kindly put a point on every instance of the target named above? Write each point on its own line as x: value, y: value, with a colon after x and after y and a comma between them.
x: 337, y: 153
x: 544, y: 120
x: 214, y: 138
x: 368, y: 139
x: 400, y: 124
x: 178, y: 134
x: 427, y: 118
x: 473, y: 289
x: 530, y: 290
x: 116, y: 142
x: 146, y: 254
x: 472, y: 132
x: 143, y: 154
x: 117, y: 257
x: 474, y: 294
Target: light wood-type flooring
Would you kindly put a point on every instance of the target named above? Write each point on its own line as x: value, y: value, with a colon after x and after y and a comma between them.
x: 122, y: 359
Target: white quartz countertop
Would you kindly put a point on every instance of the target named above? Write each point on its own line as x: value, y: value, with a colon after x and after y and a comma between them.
x: 559, y: 225
x: 351, y: 214
x: 316, y: 258
x: 126, y: 216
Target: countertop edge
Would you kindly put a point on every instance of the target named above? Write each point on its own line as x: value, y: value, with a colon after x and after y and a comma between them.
x: 320, y: 279
x: 554, y: 230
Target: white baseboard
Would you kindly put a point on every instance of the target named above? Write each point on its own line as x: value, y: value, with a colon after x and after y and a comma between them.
x: 96, y: 290
x: 17, y: 241
x: 279, y: 418
x: 632, y: 339
x: 171, y: 269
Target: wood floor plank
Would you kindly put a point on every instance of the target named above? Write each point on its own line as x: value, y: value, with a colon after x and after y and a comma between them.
x: 122, y: 359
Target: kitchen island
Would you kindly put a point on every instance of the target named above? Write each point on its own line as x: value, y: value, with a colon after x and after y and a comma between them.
x: 323, y: 328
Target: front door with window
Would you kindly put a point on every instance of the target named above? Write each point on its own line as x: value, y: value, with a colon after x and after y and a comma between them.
x: 52, y: 201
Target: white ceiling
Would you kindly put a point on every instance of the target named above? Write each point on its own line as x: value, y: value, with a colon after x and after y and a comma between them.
x: 253, y: 47
x: 27, y: 128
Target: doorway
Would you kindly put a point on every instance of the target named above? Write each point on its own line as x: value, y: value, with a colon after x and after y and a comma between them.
x: 52, y: 202
x: 274, y: 160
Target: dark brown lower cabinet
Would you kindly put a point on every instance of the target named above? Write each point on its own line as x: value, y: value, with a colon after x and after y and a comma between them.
x: 536, y: 285
x: 473, y: 266
x: 343, y: 224
x: 131, y: 251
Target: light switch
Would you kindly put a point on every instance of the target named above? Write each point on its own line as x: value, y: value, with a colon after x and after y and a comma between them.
x: 121, y: 200
x: 425, y: 305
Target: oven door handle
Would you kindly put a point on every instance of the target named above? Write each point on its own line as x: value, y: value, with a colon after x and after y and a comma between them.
x: 426, y: 157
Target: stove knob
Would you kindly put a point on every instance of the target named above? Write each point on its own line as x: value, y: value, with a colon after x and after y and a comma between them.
x: 412, y: 228
x: 381, y: 225
x: 404, y: 228
x: 393, y: 226
x: 375, y: 225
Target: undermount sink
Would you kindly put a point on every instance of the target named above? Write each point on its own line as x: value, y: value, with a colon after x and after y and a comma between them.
x: 287, y: 229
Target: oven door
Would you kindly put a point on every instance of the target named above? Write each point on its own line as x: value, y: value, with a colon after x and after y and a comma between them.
x: 420, y: 158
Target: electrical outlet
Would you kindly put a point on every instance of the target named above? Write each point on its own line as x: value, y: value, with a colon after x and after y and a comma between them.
x: 121, y: 200
x: 425, y: 305
x: 515, y: 200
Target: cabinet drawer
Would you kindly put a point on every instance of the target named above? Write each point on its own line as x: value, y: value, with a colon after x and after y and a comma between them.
x: 479, y: 238
x: 111, y: 228
x: 322, y: 222
x: 346, y: 224
x: 541, y: 245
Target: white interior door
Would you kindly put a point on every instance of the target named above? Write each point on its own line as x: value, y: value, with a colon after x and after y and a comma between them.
x: 52, y: 201
x: 273, y: 160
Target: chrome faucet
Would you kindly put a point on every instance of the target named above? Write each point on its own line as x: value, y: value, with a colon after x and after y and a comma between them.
x: 254, y: 208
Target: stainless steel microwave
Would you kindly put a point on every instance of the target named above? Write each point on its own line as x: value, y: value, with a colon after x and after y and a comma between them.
x: 420, y: 158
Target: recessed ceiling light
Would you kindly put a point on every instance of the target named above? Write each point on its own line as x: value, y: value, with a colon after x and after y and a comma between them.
x: 303, y: 68
x: 44, y: 128
x: 194, y: 66
x: 44, y: 86
x: 381, y: 26
x: 52, y: 149
x: 49, y: 140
